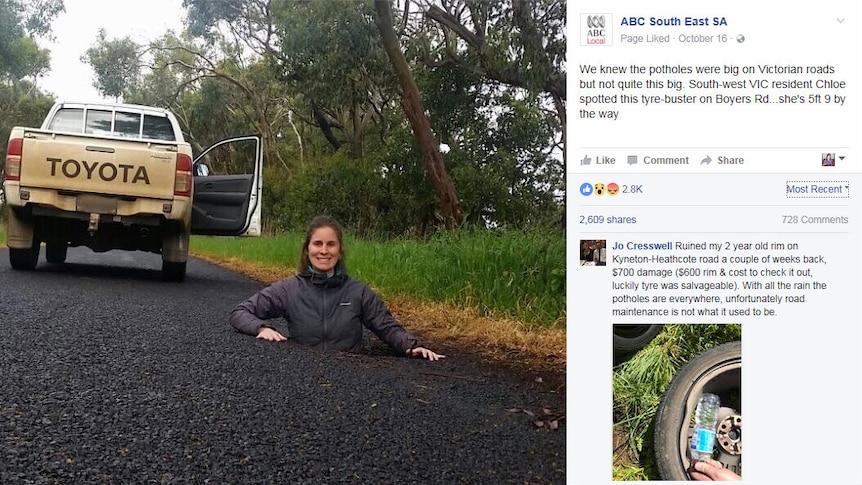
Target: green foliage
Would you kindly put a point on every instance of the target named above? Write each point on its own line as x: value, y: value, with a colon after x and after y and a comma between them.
x: 330, y: 52
x: 629, y: 473
x: 387, y: 193
x: 168, y: 78
x: 211, y: 116
x: 347, y: 189
x: 115, y: 63
x: 503, y: 273
x: 514, y: 273
x: 409, y: 206
x: 639, y: 383
x: 330, y: 48
x: 500, y: 145
x: 21, y: 104
x: 20, y: 55
x: 383, y: 194
x: 24, y: 58
x: 509, y: 179
x: 245, y: 66
x: 499, y: 153
x: 519, y: 44
x: 208, y: 107
x: 37, y: 15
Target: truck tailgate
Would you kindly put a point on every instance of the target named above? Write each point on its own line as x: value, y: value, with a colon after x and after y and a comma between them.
x: 80, y: 163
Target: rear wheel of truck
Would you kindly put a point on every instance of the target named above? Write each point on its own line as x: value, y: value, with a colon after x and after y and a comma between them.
x: 25, y: 259
x: 175, y: 246
x: 173, y: 271
x: 56, y: 252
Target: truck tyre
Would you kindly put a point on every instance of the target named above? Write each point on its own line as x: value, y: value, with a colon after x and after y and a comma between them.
x: 56, y: 252
x: 25, y: 259
x: 175, y: 250
x: 719, y: 371
x: 173, y: 271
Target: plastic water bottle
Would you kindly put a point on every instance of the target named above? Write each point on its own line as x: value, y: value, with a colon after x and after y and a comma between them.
x: 705, y: 422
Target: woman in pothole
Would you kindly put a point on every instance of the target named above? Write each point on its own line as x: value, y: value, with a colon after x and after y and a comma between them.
x: 322, y: 306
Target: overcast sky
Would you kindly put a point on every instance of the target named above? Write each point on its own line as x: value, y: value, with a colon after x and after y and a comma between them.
x: 76, y: 29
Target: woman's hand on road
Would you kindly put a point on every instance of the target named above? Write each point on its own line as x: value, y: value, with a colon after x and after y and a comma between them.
x: 425, y: 354
x: 270, y: 334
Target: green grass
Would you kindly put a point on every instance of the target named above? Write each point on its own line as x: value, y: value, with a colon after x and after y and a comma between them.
x: 510, y: 274
x: 274, y: 251
x: 639, y: 383
x: 629, y: 473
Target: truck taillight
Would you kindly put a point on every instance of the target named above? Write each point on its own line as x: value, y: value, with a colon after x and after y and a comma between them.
x: 183, y: 180
x: 12, y: 167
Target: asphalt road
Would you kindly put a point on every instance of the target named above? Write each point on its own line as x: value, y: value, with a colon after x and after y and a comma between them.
x: 109, y: 375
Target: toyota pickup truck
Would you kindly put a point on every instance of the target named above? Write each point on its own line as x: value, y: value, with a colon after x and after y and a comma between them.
x: 121, y: 176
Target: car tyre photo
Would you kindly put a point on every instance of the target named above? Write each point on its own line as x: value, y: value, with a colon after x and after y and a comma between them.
x: 718, y: 371
x: 631, y: 338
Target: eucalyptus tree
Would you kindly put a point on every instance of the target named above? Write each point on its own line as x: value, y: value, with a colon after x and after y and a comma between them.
x: 491, y: 75
x: 21, y: 23
x: 330, y: 54
x: 519, y: 43
x: 450, y: 205
x: 171, y: 67
x: 327, y: 54
x: 116, y: 64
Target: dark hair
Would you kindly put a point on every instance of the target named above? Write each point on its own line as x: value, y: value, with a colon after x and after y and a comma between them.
x: 315, y: 224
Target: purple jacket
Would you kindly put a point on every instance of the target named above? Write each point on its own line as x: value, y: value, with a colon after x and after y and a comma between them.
x: 321, y: 311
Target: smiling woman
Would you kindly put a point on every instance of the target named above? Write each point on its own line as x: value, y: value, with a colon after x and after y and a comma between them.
x: 322, y: 306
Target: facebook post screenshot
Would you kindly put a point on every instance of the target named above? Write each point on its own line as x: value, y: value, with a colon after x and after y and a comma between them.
x: 713, y: 219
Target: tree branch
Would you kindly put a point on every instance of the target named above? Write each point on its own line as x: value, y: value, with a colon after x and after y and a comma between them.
x: 448, y: 20
x: 511, y: 74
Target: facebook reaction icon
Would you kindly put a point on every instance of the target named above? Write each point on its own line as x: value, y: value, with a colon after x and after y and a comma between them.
x: 600, y: 189
x: 586, y: 189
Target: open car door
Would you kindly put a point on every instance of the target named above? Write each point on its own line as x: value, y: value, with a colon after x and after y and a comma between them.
x: 227, y: 188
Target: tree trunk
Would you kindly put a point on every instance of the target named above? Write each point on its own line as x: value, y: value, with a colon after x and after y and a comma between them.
x: 450, y: 206
x: 270, y: 149
x: 325, y: 126
x: 358, y: 136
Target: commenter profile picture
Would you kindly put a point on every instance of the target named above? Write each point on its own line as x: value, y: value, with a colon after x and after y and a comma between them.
x: 597, y: 29
x: 828, y: 159
x: 593, y: 252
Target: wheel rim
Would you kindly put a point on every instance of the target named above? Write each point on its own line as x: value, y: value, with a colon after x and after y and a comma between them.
x: 729, y: 433
x: 723, y: 380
